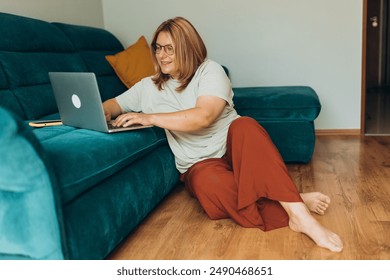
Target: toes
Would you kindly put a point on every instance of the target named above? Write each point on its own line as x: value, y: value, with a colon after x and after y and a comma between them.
x: 324, y: 198
x: 321, y: 208
x: 332, y: 242
x: 337, y: 243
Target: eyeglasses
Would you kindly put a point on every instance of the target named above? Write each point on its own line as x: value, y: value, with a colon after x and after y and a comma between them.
x: 169, y: 50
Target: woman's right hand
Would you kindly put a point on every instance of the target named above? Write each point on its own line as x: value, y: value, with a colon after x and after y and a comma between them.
x: 111, y: 109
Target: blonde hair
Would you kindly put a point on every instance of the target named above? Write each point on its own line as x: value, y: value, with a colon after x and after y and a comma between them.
x: 190, y: 51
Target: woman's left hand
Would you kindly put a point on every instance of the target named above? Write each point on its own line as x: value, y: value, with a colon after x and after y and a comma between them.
x: 132, y: 118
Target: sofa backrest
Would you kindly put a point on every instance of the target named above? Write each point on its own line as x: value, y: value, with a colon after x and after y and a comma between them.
x: 30, y: 48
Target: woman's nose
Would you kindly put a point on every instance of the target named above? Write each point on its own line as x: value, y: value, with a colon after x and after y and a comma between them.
x: 162, y: 53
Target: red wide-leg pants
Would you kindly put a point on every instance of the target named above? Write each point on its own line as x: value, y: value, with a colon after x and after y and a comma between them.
x: 247, y: 183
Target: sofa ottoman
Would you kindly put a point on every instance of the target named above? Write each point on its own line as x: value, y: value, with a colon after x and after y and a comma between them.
x: 287, y: 113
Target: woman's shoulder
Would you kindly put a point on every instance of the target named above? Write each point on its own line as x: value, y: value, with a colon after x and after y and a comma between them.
x: 143, y: 86
x: 210, y: 65
x: 145, y: 83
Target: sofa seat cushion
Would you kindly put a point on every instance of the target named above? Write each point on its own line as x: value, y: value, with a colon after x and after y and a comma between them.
x: 290, y: 103
x: 82, y: 158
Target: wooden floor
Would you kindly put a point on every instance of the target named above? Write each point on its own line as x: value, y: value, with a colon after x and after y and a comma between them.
x: 353, y: 170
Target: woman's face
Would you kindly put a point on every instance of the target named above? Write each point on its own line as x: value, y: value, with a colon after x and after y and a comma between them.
x: 165, y: 55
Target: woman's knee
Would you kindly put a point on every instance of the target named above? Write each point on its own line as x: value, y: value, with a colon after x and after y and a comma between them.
x: 246, y: 128
x: 208, y: 178
x: 245, y: 124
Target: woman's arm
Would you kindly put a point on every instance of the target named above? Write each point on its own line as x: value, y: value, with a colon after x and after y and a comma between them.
x: 207, y: 109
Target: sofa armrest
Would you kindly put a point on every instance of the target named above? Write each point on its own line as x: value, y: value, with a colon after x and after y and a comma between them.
x: 29, y: 224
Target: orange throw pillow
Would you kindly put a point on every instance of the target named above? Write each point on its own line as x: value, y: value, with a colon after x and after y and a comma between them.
x: 134, y: 63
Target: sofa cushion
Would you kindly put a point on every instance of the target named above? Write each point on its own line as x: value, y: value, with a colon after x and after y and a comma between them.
x: 3, y: 79
x: 30, y: 48
x: 21, y: 34
x: 89, y: 38
x: 295, y: 140
x: 29, y: 225
x: 28, y: 78
x: 134, y: 63
x: 290, y: 103
x: 9, y: 101
x: 92, y: 45
x: 29, y: 68
x: 82, y: 158
x: 7, y: 97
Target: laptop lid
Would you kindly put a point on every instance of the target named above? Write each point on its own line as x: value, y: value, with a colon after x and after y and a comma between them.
x: 79, y: 102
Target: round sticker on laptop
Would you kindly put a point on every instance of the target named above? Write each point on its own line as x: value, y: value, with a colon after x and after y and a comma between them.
x: 76, y: 101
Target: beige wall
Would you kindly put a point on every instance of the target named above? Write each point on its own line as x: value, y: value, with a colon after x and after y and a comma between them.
x: 83, y: 12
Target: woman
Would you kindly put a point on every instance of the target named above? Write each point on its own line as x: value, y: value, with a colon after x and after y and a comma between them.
x: 227, y: 162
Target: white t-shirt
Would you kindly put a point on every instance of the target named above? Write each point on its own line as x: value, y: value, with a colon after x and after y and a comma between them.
x: 188, y: 147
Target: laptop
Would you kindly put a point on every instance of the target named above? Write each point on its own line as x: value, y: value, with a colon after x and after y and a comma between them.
x: 79, y: 102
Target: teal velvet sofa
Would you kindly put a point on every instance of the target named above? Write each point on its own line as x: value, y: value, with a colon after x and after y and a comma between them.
x: 68, y: 193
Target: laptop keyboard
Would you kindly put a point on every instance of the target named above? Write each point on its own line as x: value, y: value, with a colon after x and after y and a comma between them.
x: 111, y: 127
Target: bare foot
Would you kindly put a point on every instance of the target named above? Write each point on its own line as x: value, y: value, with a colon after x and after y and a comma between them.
x: 316, y: 202
x: 302, y: 221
